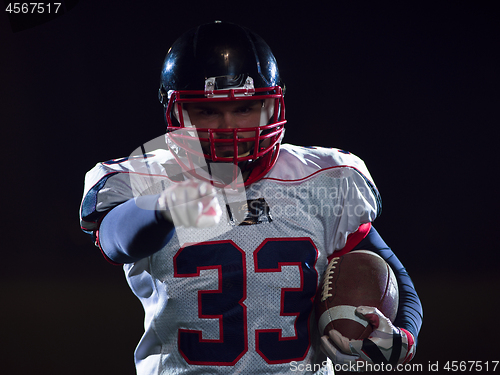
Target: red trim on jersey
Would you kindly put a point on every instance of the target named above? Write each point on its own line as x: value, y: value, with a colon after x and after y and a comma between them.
x: 411, y: 342
x: 98, y: 243
x: 319, y: 171
x: 257, y: 269
x: 200, y: 312
x: 352, y: 240
x: 219, y: 317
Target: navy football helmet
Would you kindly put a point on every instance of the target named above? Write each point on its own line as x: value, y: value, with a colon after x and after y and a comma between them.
x: 220, y: 62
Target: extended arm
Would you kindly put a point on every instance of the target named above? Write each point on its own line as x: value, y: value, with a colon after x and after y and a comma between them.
x: 129, y: 233
x: 142, y: 226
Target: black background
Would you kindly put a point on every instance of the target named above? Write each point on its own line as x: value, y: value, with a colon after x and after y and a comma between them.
x: 411, y: 87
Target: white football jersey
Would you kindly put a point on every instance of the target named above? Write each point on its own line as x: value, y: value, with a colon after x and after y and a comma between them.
x: 238, y: 298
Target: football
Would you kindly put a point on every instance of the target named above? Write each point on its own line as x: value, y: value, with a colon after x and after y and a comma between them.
x: 358, y: 278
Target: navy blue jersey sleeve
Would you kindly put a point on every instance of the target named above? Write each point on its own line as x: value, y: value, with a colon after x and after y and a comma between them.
x: 128, y: 232
x: 410, y: 312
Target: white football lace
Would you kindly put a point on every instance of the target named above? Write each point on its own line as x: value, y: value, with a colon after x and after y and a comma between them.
x: 328, y: 279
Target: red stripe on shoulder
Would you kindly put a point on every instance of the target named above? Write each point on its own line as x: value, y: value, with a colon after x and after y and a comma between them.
x: 352, y: 240
x: 98, y: 243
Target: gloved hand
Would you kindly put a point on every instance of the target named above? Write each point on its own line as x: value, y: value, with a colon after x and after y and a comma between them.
x: 190, y: 204
x: 386, y: 344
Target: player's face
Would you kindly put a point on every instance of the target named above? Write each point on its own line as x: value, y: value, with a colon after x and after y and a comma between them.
x: 226, y: 115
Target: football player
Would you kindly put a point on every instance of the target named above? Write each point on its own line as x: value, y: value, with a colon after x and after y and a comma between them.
x: 224, y: 232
